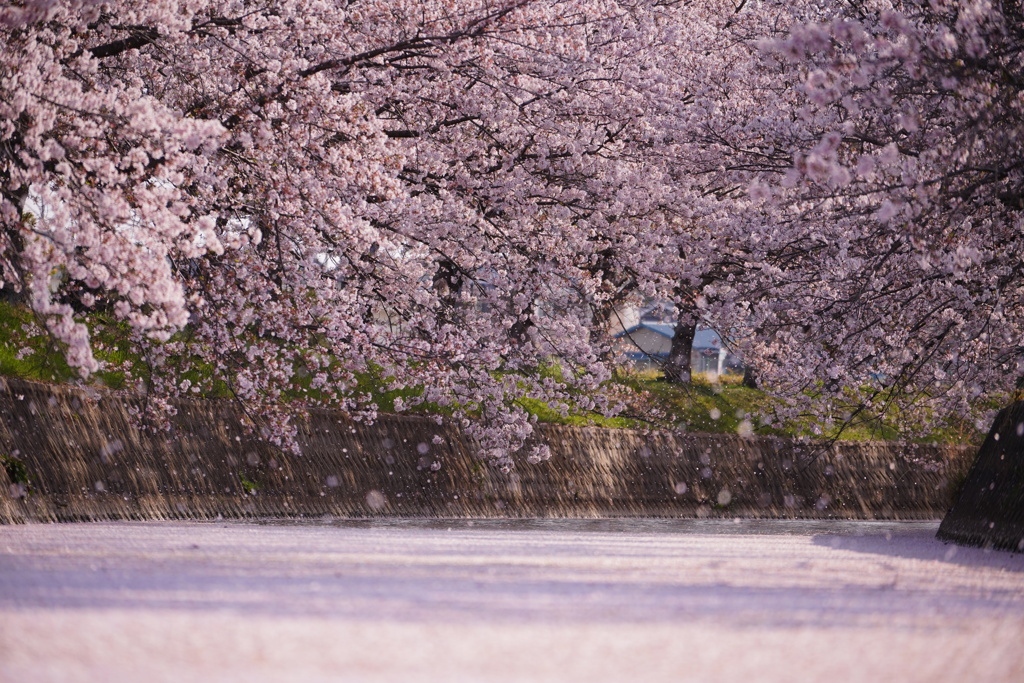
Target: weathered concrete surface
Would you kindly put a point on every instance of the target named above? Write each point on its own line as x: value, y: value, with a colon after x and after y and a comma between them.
x: 83, y: 460
x: 990, y: 508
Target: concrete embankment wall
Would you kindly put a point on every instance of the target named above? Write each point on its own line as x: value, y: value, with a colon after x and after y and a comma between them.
x: 73, y: 455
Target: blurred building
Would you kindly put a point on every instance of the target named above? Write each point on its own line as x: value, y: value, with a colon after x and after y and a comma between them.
x: 645, y: 336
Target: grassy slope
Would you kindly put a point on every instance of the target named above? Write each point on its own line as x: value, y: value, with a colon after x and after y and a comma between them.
x: 700, y: 406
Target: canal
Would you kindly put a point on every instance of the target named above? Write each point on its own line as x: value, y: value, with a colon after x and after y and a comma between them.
x: 505, y: 600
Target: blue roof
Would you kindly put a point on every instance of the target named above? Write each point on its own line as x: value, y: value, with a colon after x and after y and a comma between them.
x: 705, y: 338
x: 664, y: 329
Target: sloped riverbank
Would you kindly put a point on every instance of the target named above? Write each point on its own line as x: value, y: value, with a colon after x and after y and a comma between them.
x: 74, y: 455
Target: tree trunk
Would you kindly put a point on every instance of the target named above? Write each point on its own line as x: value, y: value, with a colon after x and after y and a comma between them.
x: 448, y: 282
x: 519, y: 331
x: 12, y: 246
x: 601, y: 325
x: 616, y: 287
x: 677, y: 367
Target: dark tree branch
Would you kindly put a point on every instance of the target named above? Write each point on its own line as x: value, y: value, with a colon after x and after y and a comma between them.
x: 139, y: 39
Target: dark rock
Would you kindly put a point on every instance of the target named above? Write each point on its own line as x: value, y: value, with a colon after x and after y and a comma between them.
x: 989, y: 511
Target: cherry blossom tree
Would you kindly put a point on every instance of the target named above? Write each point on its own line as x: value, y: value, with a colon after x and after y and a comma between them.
x: 848, y: 180
x: 287, y: 196
x: 319, y: 190
x: 887, y: 207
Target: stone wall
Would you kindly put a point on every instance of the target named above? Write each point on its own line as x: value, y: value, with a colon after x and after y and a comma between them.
x: 72, y: 454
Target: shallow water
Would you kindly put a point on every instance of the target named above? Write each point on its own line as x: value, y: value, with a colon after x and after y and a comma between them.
x: 627, y: 525
x: 505, y: 600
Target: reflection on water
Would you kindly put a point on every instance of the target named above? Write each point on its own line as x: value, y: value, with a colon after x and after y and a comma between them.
x: 746, y: 527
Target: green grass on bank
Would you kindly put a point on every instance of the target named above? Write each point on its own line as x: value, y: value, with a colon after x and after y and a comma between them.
x: 729, y: 407
x: 28, y: 352
x: 19, y: 334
